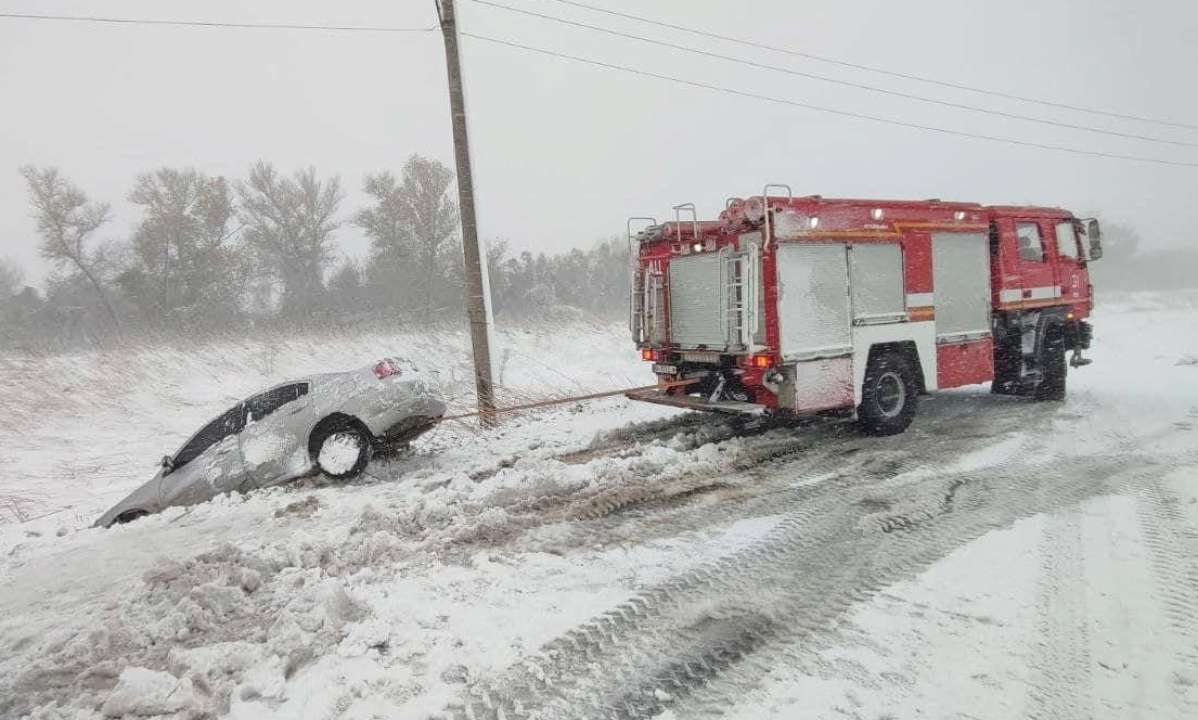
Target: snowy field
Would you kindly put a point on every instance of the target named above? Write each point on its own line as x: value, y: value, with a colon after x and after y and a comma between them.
x: 1001, y: 559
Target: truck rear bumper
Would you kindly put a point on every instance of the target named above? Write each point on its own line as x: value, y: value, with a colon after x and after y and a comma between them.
x: 693, y: 402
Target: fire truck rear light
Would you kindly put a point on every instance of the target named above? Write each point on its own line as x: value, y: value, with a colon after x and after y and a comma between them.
x: 762, y: 361
x: 648, y: 354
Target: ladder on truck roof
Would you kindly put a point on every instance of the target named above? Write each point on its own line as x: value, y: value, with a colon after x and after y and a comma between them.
x: 636, y: 299
x: 740, y: 285
x: 734, y: 288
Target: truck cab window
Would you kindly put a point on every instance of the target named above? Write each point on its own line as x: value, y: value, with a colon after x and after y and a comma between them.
x: 1066, y: 240
x: 1031, y: 247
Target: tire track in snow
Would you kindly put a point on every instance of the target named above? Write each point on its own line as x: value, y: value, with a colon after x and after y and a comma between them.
x: 829, y: 457
x: 1174, y: 559
x: 1119, y: 473
x: 759, y: 444
x: 824, y: 557
x: 1062, y: 672
x: 924, y: 546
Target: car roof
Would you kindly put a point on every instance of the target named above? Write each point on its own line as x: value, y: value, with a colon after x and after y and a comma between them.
x: 294, y: 381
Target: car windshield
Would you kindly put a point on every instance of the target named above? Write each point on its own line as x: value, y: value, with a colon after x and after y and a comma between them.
x: 227, y: 423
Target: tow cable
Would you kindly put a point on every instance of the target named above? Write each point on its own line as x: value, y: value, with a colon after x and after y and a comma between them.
x: 573, y: 398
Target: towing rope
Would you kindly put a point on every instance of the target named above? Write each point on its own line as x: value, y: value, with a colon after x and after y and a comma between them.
x: 573, y: 398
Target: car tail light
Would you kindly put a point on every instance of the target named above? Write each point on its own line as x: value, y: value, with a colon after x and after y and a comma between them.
x: 648, y: 354
x: 387, y: 368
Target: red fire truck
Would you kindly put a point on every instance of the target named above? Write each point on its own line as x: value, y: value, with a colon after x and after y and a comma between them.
x: 809, y: 304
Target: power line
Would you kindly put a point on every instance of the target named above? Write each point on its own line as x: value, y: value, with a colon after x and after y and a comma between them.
x: 833, y: 111
x: 836, y: 81
x: 875, y: 69
x: 197, y: 23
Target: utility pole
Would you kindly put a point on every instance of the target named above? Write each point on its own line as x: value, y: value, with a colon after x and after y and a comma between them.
x: 476, y: 303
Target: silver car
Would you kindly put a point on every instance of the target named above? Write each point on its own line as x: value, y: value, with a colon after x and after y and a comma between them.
x: 329, y: 423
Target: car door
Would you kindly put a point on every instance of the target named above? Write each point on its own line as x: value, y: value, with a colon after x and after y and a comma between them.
x: 1037, y: 262
x: 274, y: 441
x: 225, y: 468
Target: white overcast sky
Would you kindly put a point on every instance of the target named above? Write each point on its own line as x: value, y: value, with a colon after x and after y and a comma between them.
x: 562, y: 151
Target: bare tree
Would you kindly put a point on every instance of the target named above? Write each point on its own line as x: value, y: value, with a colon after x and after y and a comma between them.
x: 346, y: 293
x: 412, y: 224
x: 391, y: 272
x: 289, y: 226
x: 11, y: 278
x: 66, y: 221
x: 182, y: 256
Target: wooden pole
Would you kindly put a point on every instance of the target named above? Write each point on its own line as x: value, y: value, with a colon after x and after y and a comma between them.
x: 476, y: 305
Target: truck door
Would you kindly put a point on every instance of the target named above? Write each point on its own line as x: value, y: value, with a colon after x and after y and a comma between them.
x: 1037, y: 262
x: 1071, y: 274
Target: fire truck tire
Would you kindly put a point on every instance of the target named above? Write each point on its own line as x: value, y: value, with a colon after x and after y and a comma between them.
x: 1052, y: 385
x: 889, y: 395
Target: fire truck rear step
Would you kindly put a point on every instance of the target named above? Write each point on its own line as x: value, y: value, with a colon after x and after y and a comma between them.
x: 692, y: 402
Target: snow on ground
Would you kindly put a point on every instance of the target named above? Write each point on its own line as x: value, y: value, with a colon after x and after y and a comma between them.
x: 82, y: 430
x: 401, y: 593
x: 1060, y: 615
x: 1076, y: 599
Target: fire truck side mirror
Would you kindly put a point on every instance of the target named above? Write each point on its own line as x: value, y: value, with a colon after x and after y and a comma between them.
x: 1094, y: 233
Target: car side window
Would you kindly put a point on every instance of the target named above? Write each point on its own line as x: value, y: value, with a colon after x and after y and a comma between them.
x: 1066, y: 240
x: 230, y: 423
x: 264, y: 404
x: 1031, y: 247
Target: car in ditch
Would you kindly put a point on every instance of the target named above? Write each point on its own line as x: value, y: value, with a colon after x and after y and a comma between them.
x: 331, y: 423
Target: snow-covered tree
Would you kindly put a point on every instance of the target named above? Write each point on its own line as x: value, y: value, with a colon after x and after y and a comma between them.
x: 11, y: 278
x: 412, y: 226
x: 289, y: 226
x: 66, y: 222
x: 183, y: 257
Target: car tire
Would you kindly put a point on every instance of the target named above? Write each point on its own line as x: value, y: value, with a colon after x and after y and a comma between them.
x: 889, y: 395
x: 342, y: 449
x: 129, y: 516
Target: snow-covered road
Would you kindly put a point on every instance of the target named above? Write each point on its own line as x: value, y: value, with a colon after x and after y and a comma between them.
x: 1001, y: 559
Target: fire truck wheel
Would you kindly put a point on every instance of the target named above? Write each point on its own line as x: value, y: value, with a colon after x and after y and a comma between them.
x: 1052, y: 385
x: 889, y: 395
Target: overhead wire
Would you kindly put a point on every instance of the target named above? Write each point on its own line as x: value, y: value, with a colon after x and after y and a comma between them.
x: 645, y: 73
x: 832, y: 80
x: 212, y: 24
x: 825, y: 109
x: 874, y: 68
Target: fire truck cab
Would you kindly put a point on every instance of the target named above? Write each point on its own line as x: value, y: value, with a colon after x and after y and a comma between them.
x: 809, y: 304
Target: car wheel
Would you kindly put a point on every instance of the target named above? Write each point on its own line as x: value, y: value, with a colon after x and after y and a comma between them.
x: 343, y: 450
x: 889, y: 395
x: 129, y: 516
